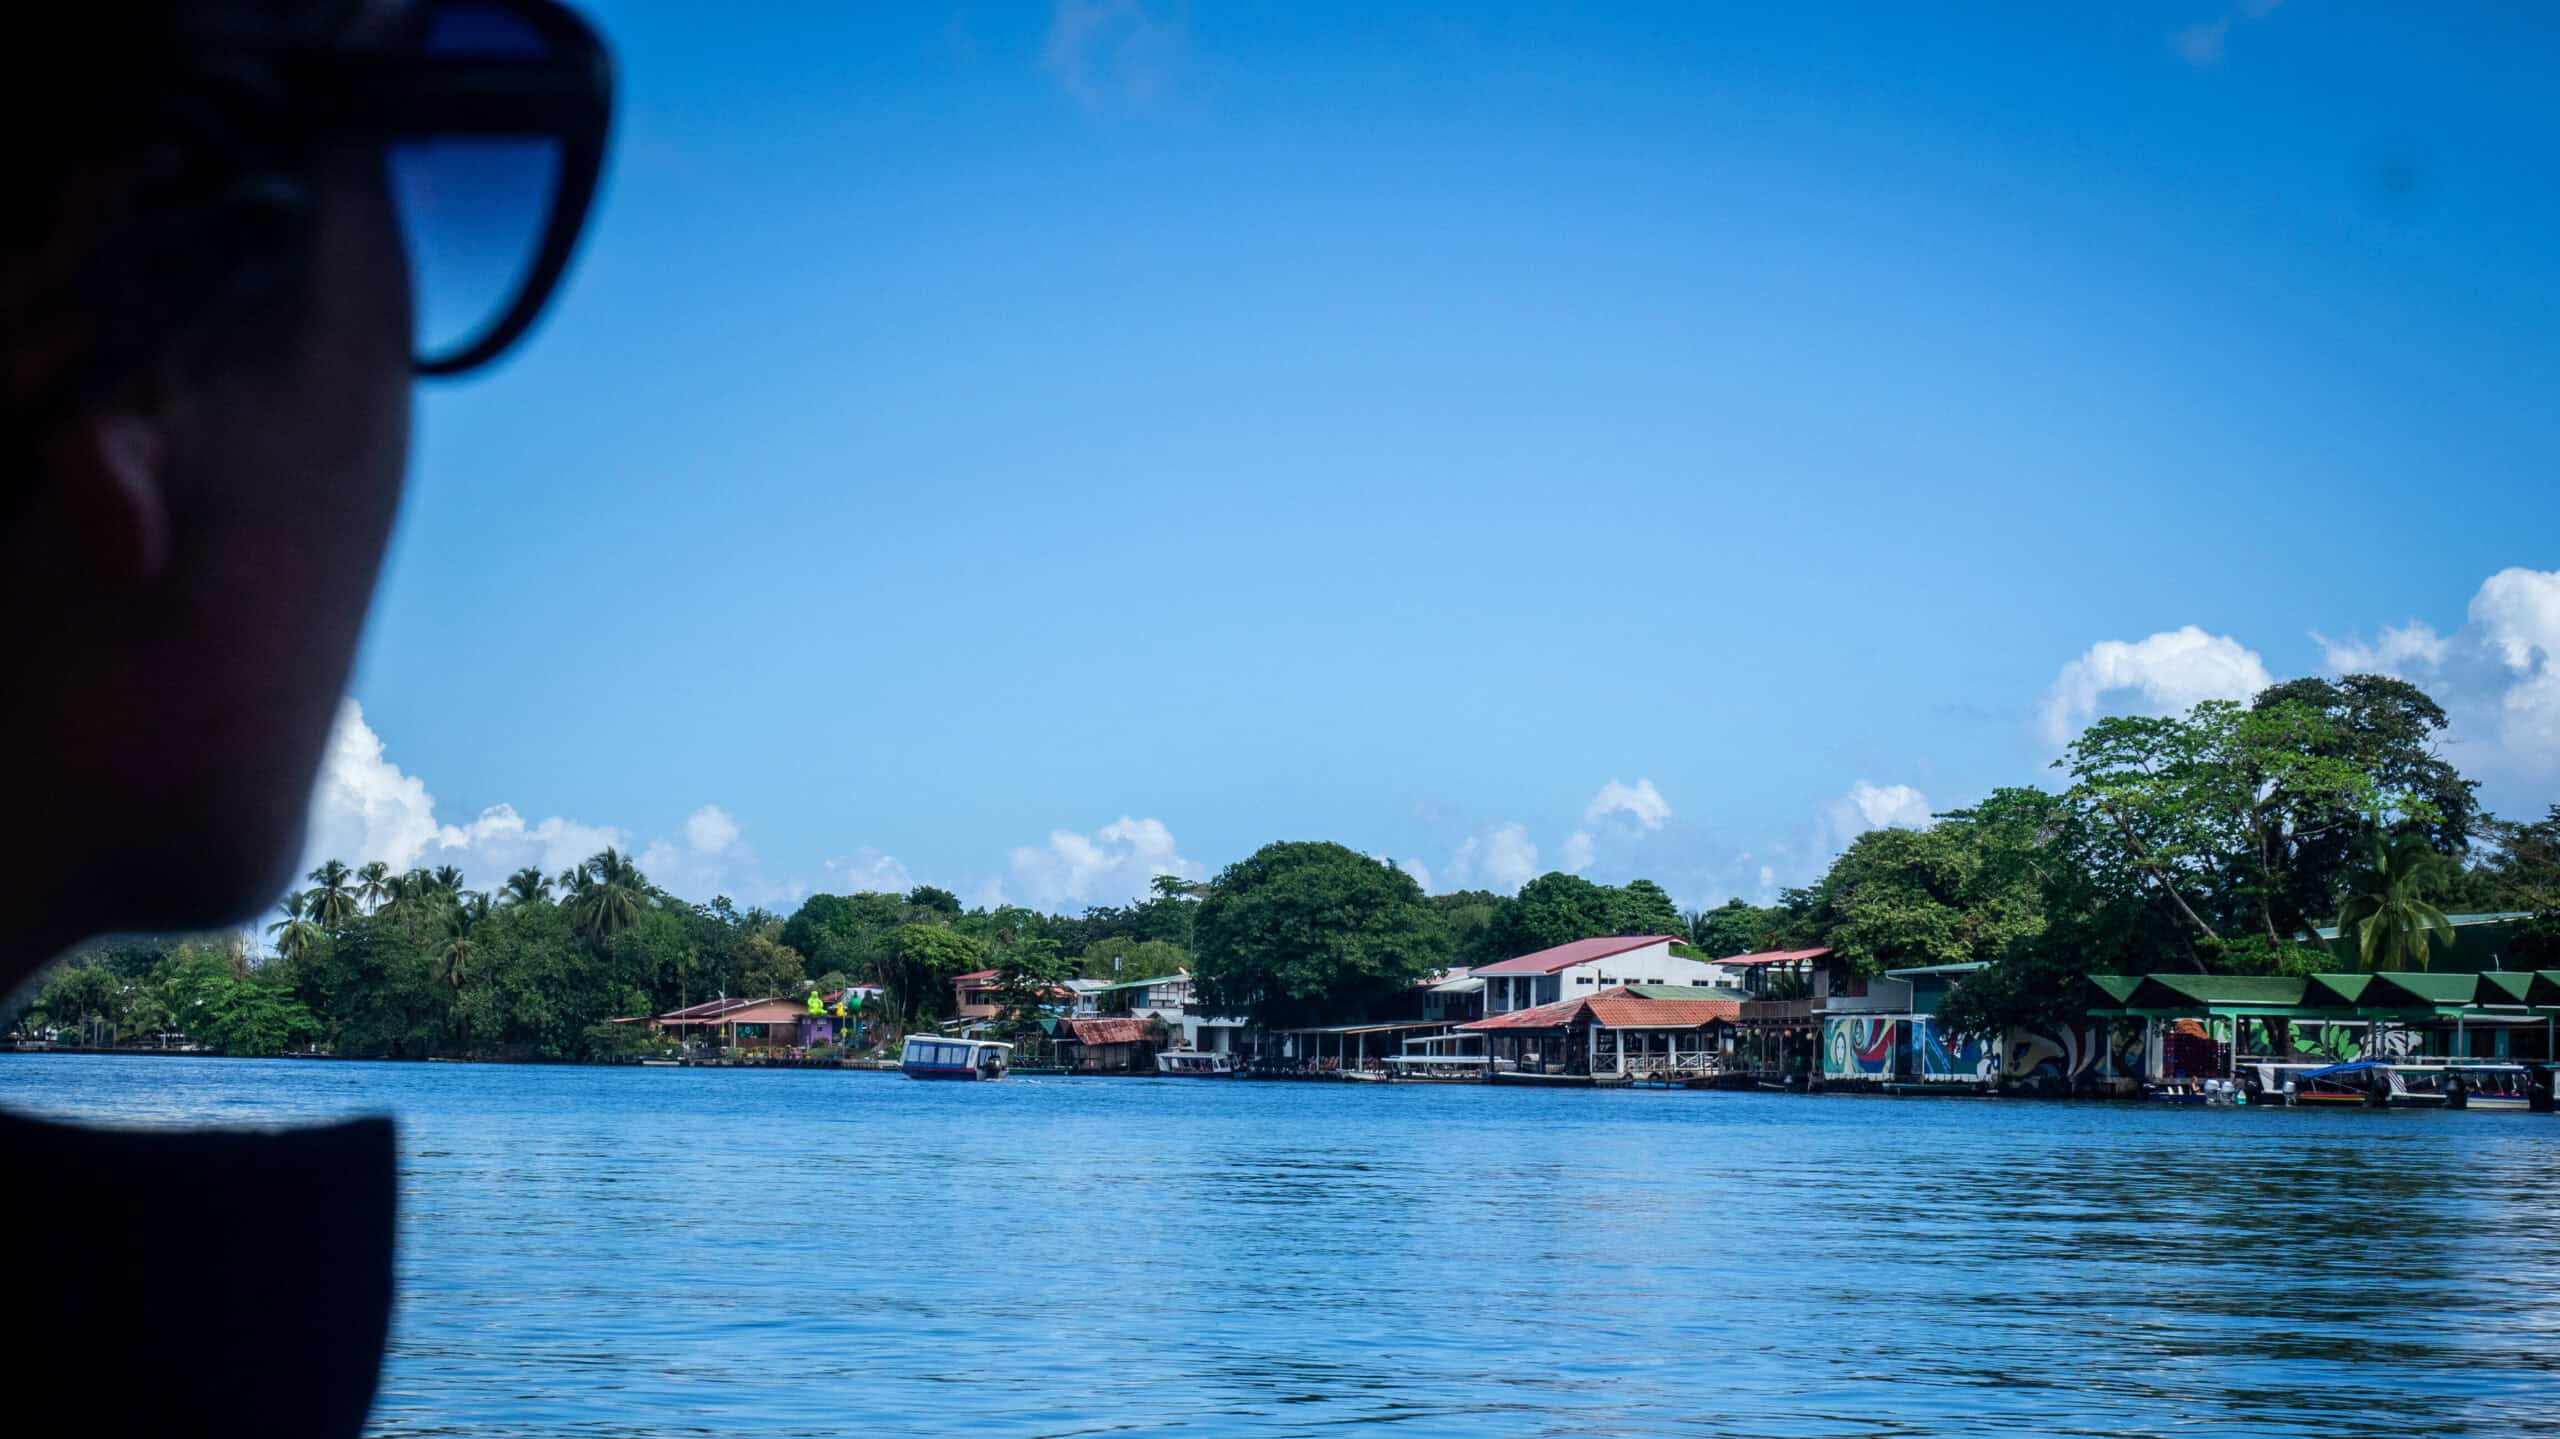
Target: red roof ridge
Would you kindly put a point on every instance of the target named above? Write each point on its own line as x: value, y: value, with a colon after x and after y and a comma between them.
x: 1774, y: 956
x: 1580, y: 951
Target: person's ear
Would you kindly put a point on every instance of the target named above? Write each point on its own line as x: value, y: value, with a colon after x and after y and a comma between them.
x: 110, y: 479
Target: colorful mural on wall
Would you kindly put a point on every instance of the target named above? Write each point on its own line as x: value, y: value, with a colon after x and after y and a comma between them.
x: 1942, y: 1058
x: 2053, y: 1051
x: 1858, y: 1047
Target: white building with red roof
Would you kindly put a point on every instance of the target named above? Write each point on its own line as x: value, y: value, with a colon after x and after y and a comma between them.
x: 1587, y: 966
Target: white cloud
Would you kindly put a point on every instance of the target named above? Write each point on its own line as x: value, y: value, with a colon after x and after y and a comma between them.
x: 366, y: 808
x: 710, y: 829
x: 1578, y: 851
x: 1768, y: 883
x: 2517, y: 614
x: 1641, y: 803
x: 1112, y: 53
x: 866, y: 871
x: 2170, y: 672
x: 1499, y: 857
x: 1113, y: 865
x: 2396, y: 652
x: 498, y: 843
x: 1419, y: 872
x: 1871, y: 806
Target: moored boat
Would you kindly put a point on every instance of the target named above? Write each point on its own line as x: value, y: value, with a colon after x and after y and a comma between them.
x: 1195, y: 1064
x: 934, y: 1056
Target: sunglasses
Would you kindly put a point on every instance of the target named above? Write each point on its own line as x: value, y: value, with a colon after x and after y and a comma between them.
x: 492, y: 115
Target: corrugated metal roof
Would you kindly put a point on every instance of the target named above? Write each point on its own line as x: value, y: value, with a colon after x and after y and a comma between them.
x: 1108, y: 1031
x: 2460, y: 921
x: 1620, y: 1009
x: 1774, y: 956
x: 1581, y: 951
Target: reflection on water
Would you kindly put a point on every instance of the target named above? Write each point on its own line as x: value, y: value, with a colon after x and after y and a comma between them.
x: 611, y: 1252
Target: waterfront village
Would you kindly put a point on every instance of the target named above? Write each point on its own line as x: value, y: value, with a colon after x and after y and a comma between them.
x: 1650, y: 1011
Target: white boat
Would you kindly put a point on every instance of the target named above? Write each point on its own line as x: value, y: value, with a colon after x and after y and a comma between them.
x: 1195, y: 1064
x: 936, y: 1056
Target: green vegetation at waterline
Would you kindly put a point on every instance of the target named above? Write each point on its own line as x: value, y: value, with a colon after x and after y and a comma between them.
x: 2213, y: 842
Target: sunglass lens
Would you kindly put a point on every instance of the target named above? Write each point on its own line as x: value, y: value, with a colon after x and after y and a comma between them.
x: 474, y: 206
x: 474, y: 210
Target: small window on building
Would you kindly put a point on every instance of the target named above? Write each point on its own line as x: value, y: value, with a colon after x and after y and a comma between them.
x: 1582, y: 979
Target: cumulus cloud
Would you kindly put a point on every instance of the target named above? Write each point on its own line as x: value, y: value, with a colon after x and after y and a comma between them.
x: 865, y: 871
x: 1113, y: 865
x: 1641, y: 803
x: 2168, y: 673
x: 2517, y: 615
x: 2398, y: 651
x: 1578, y: 851
x: 1500, y: 857
x: 366, y: 808
x: 1871, y: 806
x: 1112, y: 53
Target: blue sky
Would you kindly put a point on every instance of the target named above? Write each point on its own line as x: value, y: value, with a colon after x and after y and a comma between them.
x: 1020, y: 446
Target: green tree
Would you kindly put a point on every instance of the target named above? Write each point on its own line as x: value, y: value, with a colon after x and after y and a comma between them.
x: 1736, y: 926
x: 297, y: 931
x: 940, y: 901
x: 2206, y: 809
x: 2387, y: 919
x: 1029, y: 976
x: 373, y: 888
x: 1138, y: 959
x: 528, y: 885
x: 89, y: 999
x: 1905, y: 898
x: 333, y: 898
x: 2388, y: 729
x: 2523, y: 876
x: 1303, y: 930
x: 769, y: 966
x: 607, y: 895
x: 916, y: 965
x: 1553, y: 909
x: 1642, y: 907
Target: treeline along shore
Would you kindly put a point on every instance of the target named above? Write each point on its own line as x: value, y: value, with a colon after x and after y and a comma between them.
x: 2220, y: 842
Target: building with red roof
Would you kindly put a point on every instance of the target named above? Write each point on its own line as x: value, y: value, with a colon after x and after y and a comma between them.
x: 1658, y: 1030
x: 1587, y: 966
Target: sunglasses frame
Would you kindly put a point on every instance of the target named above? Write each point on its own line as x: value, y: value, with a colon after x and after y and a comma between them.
x: 565, y: 96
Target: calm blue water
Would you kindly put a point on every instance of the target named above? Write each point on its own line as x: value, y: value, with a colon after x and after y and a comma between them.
x: 627, y: 1252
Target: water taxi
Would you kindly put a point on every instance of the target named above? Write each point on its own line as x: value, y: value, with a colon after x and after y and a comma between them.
x: 934, y: 1056
x: 1195, y: 1064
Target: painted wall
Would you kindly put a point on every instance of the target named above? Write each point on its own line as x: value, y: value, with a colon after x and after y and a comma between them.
x: 1859, y: 1046
x: 1945, y: 1058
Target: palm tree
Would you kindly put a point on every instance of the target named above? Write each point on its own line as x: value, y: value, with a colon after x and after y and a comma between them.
x: 448, y: 879
x: 2386, y: 915
x: 333, y: 903
x: 455, y: 959
x: 528, y: 885
x: 610, y: 894
x: 297, y: 929
x: 470, y: 907
x: 374, y: 884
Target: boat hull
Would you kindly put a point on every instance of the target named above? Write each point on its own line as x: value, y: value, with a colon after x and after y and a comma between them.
x: 944, y: 1071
